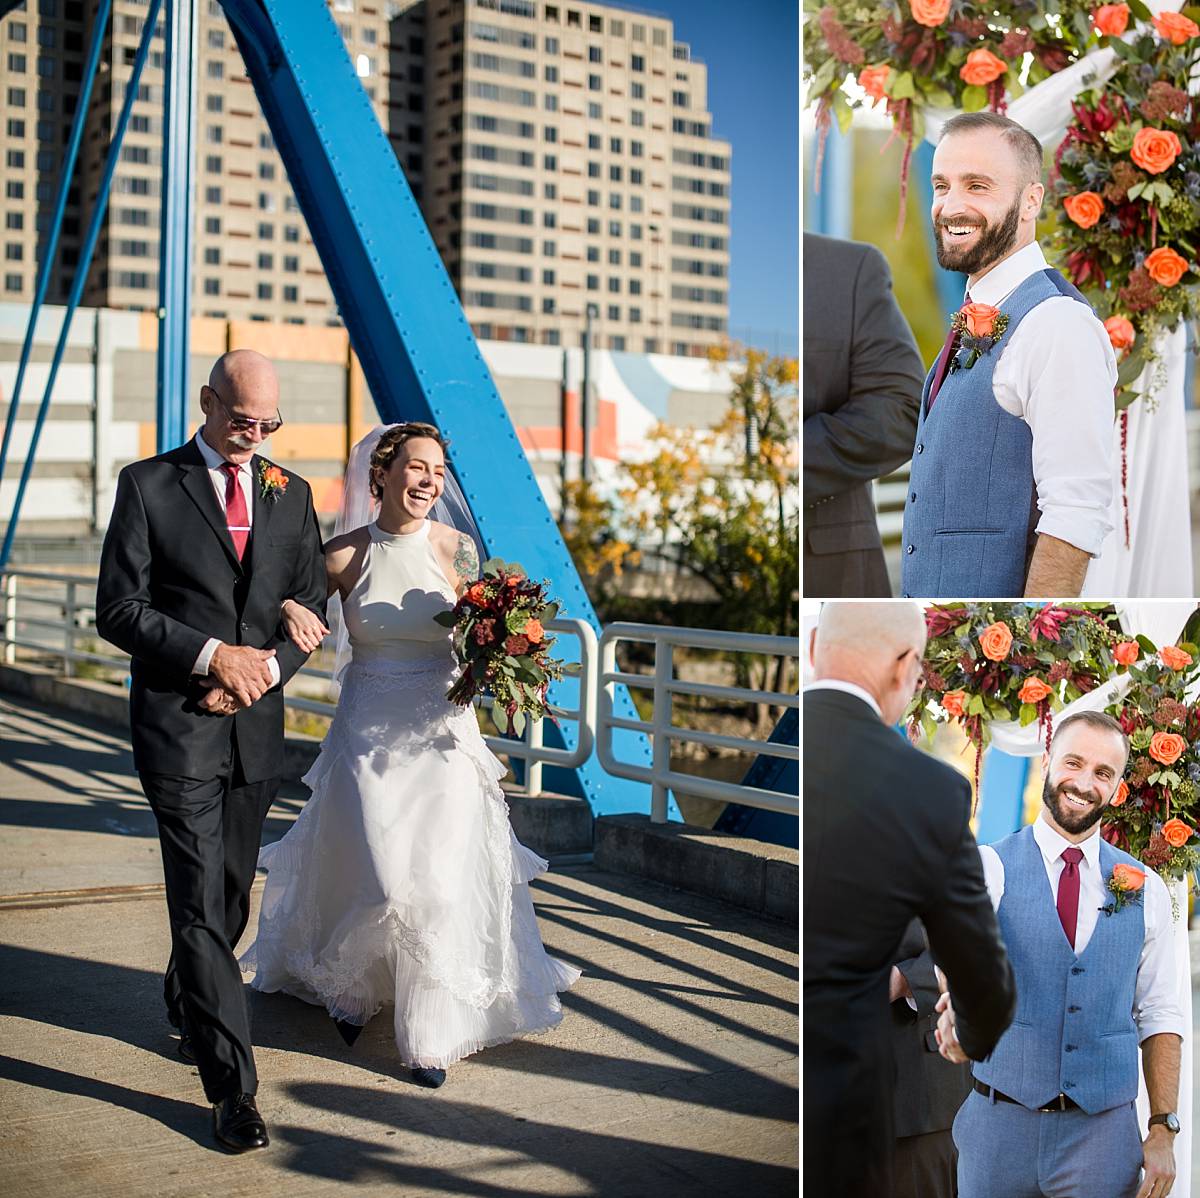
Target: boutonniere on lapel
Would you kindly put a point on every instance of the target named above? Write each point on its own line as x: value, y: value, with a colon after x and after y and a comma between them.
x: 1125, y: 886
x: 979, y: 327
x: 272, y: 482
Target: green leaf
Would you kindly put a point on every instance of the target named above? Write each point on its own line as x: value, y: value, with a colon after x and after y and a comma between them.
x: 976, y: 706
x: 1139, y: 10
x: 549, y: 612
x: 842, y: 111
x: 1028, y: 714
x: 902, y: 87
x: 1148, y: 646
x: 974, y: 98
x: 1137, y: 189
x: 1012, y: 84
x: 938, y: 97
x: 531, y: 666
x: 1131, y: 367
x: 493, y: 566
x: 1153, y: 779
x: 518, y: 723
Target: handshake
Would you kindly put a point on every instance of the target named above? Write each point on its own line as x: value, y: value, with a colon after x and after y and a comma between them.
x: 946, y: 1035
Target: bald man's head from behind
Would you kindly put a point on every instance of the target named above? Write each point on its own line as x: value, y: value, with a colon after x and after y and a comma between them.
x: 877, y: 646
x: 242, y: 387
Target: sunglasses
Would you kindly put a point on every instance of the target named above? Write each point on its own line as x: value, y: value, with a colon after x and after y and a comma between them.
x: 243, y: 424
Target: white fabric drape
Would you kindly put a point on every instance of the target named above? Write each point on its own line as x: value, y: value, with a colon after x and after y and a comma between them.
x: 1162, y: 623
x: 1159, y: 558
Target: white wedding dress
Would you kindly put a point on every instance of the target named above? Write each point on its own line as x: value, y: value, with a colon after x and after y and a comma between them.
x: 402, y: 881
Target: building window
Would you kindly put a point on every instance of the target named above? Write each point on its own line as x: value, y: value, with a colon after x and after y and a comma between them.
x: 291, y: 233
x: 212, y: 195
x: 212, y: 164
x: 549, y: 191
x: 637, y: 119
x: 550, y: 102
x: 266, y: 232
x: 551, y: 44
x: 614, y: 228
x: 212, y: 256
x: 15, y: 159
x: 266, y: 291
x: 266, y: 262
x: 593, y: 227
x: 266, y: 171
x: 549, y: 162
x: 549, y: 220
x: 595, y: 24
x: 291, y: 295
x: 637, y: 62
x: 215, y: 70
x: 216, y: 39
x: 593, y: 253
x: 595, y: 112
x: 614, y: 201
x: 212, y: 286
x: 214, y: 134
x: 16, y: 97
x: 637, y: 91
x: 16, y: 128
x: 635, y: 316
x: 550, y: 133
x: 637, y: 149
x: 593, y: 170
x: 548, y: 278
x: 614, y: 173
x: 614, y: 285
x: 17, y: 32
x: 614, y: 257
x: 635, y: 287
x: 614, y: 311
x: 594, y: 141
x: 593, y: 199
x: 16, y: 64
x: 14, y: 220
x: 548, y: 305
x: 13, y: 283
x: 14, y: 252
x: 291, y: 264
x: 551, y: 74
x: 266, y: 202
x: 593, y: 282
x: 635, y: 256
x: 215, y: 103
x: 635, y: 177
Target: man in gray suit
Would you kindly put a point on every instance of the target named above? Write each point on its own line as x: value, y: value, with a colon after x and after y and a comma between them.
x: 929, y: 1090
x: 862, y: 392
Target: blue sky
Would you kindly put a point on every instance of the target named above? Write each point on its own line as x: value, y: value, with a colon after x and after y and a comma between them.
x: 752, y: 52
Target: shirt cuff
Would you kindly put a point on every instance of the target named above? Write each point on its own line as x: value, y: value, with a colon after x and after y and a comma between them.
x: 1157, y: 1024
x: 1081, y: 528
x: 273, y: 667
x: 206, y: 656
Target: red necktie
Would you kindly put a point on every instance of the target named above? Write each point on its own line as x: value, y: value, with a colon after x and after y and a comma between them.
x: 236, y: 518
x: 1068, y: 891
x: 943, y: 362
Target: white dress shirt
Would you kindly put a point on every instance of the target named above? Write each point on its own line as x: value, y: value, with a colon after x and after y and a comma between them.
x: 1155, y: 1003
x: 848, y: 688
x: 1057, y: 373
x: 245, y: 477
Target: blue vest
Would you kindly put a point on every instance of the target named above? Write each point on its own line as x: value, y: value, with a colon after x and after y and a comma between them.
x: 971, y: 509
x: 1073, y: 1032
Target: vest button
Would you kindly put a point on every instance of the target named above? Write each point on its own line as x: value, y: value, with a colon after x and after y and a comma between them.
x: 1072, y: 1010
x: 1068, y: 1085
x: 1077, y: 969
x: 913, y: 497
x: 920, y: 448
x: 1068, y: 1047
x: 910, y: 549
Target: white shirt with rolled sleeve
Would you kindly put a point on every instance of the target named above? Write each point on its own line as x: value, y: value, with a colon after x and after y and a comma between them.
x: 215, y: 463
x: 1057, y: 372
x: 1155, y: 997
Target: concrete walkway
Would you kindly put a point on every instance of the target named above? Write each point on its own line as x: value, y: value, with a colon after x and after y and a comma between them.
x: 673, y: 1073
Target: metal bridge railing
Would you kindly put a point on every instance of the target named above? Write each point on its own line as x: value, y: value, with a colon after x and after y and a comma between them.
x: 53, y: 615
x: 661, y: 727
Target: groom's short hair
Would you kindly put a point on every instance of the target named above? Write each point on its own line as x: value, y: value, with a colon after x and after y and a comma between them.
x: 1023, y: 143
x: 1093, y: 719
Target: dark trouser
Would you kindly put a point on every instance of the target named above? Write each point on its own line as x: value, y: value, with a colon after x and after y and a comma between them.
x: 926, y: 1166
x: 210, y: 831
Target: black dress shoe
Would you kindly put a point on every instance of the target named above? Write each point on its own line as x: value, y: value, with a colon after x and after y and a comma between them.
x: 186, y: 1049
x: 238, y: 1124
x: 432, y: 1078
x: 348, y: 1031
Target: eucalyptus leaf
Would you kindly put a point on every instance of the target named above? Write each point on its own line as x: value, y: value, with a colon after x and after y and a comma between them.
x: 518, y: 723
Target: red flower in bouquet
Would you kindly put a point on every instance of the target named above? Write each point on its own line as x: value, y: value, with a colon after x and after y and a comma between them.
x: 517, y: 646
x: 1048, y: 622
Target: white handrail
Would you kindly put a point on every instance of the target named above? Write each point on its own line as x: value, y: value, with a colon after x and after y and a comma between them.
x: 661, y: 727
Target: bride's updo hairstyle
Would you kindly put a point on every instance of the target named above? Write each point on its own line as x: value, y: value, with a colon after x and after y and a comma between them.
x: 389, y: 446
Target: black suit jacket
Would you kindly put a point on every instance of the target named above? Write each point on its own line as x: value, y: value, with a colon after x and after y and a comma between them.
x: 929, y: 1089
x: 862, y: 392
x: 170, y: 579
x: 886, y: 838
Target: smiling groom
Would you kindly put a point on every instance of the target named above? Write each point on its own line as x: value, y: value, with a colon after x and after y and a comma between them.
x: 1012, y: 471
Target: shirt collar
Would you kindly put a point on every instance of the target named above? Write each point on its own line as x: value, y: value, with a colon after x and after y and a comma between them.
x: 213, y: 460
x: 1052, y: 844
x: 1002, y: 280
x: 848, y: 688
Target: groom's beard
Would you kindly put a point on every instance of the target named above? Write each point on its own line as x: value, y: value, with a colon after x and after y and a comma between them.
x: 994, y: 242
x: 1069, y: 818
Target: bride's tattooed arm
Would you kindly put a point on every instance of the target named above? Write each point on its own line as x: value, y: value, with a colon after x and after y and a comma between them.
x: 466, y: 562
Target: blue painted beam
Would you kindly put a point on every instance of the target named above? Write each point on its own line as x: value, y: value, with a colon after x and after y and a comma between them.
x: 46, y: 262
x: 175, y: 238
x: 404, y: 319
x: 1002, y: 785
x: 769, y: 773
x: 85, y: 261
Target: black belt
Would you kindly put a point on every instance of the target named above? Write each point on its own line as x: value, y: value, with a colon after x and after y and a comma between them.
x: 1061, y: 1103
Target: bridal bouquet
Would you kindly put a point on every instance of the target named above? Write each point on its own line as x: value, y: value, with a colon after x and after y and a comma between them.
x: 500, y: 640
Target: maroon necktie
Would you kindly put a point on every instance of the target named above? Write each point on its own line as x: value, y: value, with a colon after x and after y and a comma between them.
x: 943, y: 362
x: 236, y: 518
x: 1068, y: 891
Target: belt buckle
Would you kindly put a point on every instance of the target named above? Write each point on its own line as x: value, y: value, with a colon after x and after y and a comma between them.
x: 1055, y: 1104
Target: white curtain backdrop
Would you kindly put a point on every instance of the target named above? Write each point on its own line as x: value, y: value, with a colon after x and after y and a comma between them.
x: 1159, y: 558
x: 1162, y: 623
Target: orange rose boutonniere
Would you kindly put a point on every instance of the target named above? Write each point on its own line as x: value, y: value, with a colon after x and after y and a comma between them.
x: 1125, y: 885
x: 272, y: 482
x: 979, y: 327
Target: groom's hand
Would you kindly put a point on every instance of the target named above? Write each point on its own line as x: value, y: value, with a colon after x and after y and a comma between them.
x: 242, y: 671
x: 219, y: 701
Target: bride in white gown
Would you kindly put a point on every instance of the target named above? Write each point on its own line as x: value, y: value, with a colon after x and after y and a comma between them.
x: 401, y: 881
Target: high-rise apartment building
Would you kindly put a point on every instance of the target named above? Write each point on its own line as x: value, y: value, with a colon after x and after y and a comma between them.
x: 562, y: 154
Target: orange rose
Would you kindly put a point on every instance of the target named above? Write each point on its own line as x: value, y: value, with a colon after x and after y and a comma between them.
x: 1155, y: 149
x: 872, y: 80
x: 1174, y: 658
x: 982, y: 67
x: 1121, y: 334
x: 1167, y: 747
x: 1111, y: 20
x: 1128, y: 877
x: 1121, y: 795
x: 534, y: 631
x: 1085, y: 209
x: 996, y: 640
x: 1176, y: 833
x: 954, y: 703
x: 1034, y: 690
x: 1165, y: 266
x: 477, y: 593
x: 929, y: 12
x: 1175, y: 28
x: 980, y: 318
x: 1127, y: 652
